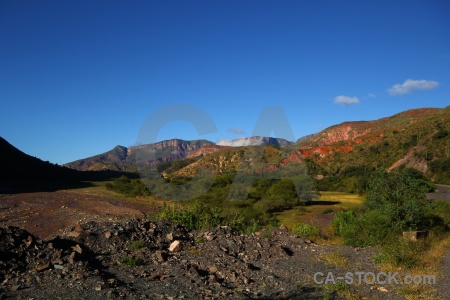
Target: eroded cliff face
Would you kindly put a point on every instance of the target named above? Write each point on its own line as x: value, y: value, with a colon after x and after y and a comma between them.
x: 255, y: 141
x: 342, y: 138
x: 121, y: 157
x: 206, y: 150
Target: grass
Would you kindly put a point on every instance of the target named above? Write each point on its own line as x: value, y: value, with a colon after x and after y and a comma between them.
x: 336, y: 258
x: 328, y: 200
x: 136, y: 245
x: 428, y: 263
x: 98, y: 188
x: 129, y: 261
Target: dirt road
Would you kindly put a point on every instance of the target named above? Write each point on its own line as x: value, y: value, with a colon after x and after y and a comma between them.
x: 442, y: 193
x: 46, y: 214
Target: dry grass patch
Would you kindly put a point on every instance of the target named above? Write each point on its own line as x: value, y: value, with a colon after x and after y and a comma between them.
x: 328, y: 200
x: 336, y: 258
x: 428, y: 263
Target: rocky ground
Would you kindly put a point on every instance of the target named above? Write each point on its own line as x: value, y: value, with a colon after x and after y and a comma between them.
x: 63, y: 245
x: 138, y: 259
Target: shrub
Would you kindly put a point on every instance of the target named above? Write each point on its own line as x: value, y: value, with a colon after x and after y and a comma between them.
x: 128, y: 187
x: 136, y: 245
x: 198, y: 216
x: 398, y: 251
x: 343, y: 222
x: 327, y: 211
x: 306, y: 230
x: 130, y: 261
x: 395, y: 202
x: 400, y: 198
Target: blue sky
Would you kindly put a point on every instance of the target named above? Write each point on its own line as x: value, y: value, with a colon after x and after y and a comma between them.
x: 80, y: 77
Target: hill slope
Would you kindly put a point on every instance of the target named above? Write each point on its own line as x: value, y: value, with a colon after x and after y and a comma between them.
x: 416, y: 139
x: 17, y: 165
x: 122, y: 158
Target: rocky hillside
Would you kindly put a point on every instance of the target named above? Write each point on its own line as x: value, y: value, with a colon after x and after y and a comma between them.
x: 416, y: 139
x: 122, y: 158
x: 248, y: 159
x: 255, y: 141
x: 362, y: 131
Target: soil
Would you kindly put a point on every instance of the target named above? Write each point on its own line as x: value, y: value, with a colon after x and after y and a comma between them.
x: 45, y: 214
x: 63, y: 245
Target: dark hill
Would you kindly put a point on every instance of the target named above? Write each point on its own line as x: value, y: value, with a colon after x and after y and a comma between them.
x: 23, y: 172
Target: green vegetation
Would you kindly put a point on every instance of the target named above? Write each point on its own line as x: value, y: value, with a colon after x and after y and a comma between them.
x: 128, y: 187
x: 441, y: 168
x: 422, y: 139
x: 136, y: 245
x: 198, y: 216
x: 327, y: 211
x: 306, y: 230
x: 336, y: 201
x: 394, y: 203
x: 129, y: 261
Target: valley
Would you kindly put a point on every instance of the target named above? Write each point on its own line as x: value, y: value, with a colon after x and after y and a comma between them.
x: 325, y: 202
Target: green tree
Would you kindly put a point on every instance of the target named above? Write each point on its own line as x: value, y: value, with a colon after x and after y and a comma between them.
x: 401, y: 198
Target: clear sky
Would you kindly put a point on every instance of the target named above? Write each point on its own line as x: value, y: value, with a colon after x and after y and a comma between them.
x: 78, y: 78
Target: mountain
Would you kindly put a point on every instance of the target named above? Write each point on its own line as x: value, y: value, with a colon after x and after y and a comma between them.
x: 418, y: 139
x: 255, y: 141
x: 305, y: 138
x: 123, y: 158
x: 365, y: 131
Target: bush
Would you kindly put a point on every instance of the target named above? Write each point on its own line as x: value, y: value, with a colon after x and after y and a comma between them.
x: 136, y: 245
x: 400, y: 252
x: 130, y: 261
x: 198, y: 216
x: 343, y: 222
x: 128, y: 187
x: 400, y: 198
x: 327, y: 211
x: 306, y: 230
x: 395, y: 202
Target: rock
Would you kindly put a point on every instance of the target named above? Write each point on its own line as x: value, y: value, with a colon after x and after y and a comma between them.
x: 415, y: 235
x: 71, y: 258
x: 78, y: 228
x: 14, y: 288
x: 170, y: 236
x: 73, y: 234
x: 107, y: 234
x: 160, y: 256
x: 212, y: 269
x: 193, y: 270
x: 43, y: 267
x: 78, y: 249
x: 175, y: 246
x: 155, y: 276
x: 382, y: 289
